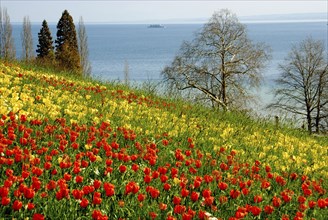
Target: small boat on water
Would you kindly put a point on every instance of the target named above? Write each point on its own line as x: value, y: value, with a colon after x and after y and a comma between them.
x: 156, y: 26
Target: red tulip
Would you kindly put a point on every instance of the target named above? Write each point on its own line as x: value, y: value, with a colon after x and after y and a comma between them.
x: 258, y: 199
x: 276, y: 201
x: 77, y: 194
x: 135, y: 167
x: 256, y: 210
x: 141, y: 197
x: 79, y: 179
x: 268, y: 209
x: 223, y: 199
x: 96, y: 215
x: 29, y: 193
x: 4, y: 191
x: 174, y: 172
x: 5, y: 201
x: 122, y: 168
x: 51, y: 185
x: 301, y: 199
x: 312, y: 204
x: 67, y: 176
x: 184, y: 192
x: 84, y: 203
x: 17, y: 205
x: 96, y: 200
x: 245, y: 191
x: 155, y: 174
x: 209, y: 200
x: 162, y: 206
x: 208, y: 178
x: 97, y: 184
x: 307, y: 192
x: 132, y: 187
x: 30, y: 206
x: 197, y: 183
x: 224, y: 166
x: 194, y: 196
x: 152, y: 215
x: 84, y: 163
x: 265, y: 184
x: 109, y: 188
x: 38, y: 216
x: 202, y: 215
x: 234, y: 193
x: 179, y: 209
x: 206, y: 193
x: 176, y: 200
x: 285, y: 217
x: 280, y: 180
x: 167, y: 187
x: 222, y: 186
x: 47, y: 165
x: 322, y: 203
x: 154, y: 193
x: 25, y: 174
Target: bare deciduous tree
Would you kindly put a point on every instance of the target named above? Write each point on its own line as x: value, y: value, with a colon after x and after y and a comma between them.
x: 83, y: 48
x: 8, y: 51
x: 27, y: 40
x: 1, y: 33
x: 303, y: 83
x: 221, y: 64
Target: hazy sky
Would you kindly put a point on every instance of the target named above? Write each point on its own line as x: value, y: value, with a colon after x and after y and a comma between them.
x: 149, y: 11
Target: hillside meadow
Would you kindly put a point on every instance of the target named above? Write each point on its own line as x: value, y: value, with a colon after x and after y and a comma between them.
x: 73, y: 148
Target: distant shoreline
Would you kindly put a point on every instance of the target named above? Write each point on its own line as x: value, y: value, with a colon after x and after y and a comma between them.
x: 192, y: 23
x: 267, y: 19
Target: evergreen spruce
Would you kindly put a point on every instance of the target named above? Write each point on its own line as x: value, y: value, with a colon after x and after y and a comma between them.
x: 67, y: 51
x: 45, y: 49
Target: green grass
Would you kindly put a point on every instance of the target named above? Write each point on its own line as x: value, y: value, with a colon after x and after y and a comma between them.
x: 102, y: 123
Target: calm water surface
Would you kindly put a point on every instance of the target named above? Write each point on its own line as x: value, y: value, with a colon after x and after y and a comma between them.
x: 148, y: 50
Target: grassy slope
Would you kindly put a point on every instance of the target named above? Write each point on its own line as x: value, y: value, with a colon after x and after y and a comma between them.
x: 211, y: 129
x: 40, y: 94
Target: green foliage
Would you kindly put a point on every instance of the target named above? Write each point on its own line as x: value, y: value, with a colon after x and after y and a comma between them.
x: 67, y: 52
x: 45, y: 49
x: 76, y: 148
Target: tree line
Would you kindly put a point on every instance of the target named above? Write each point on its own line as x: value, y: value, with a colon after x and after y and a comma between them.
x: 70, y: 52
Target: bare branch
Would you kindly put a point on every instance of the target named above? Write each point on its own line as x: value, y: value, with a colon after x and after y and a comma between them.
x: 303, y: 83
x: 221, y: 62
x: 27, y: 40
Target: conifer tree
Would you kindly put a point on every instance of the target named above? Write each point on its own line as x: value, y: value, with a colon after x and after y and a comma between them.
x: 45, y: 48
x: 67, y: 51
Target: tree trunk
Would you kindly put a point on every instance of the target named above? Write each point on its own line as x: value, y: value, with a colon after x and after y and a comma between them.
x: 224, y: 83
x: 309, y: 121
x: 224, y: 87
x: 317, y: 118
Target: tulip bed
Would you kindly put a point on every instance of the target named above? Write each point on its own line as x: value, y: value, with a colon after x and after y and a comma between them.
x: 76, y: 149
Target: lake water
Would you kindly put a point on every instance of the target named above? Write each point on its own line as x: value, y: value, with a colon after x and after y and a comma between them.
x: 148, y: 50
